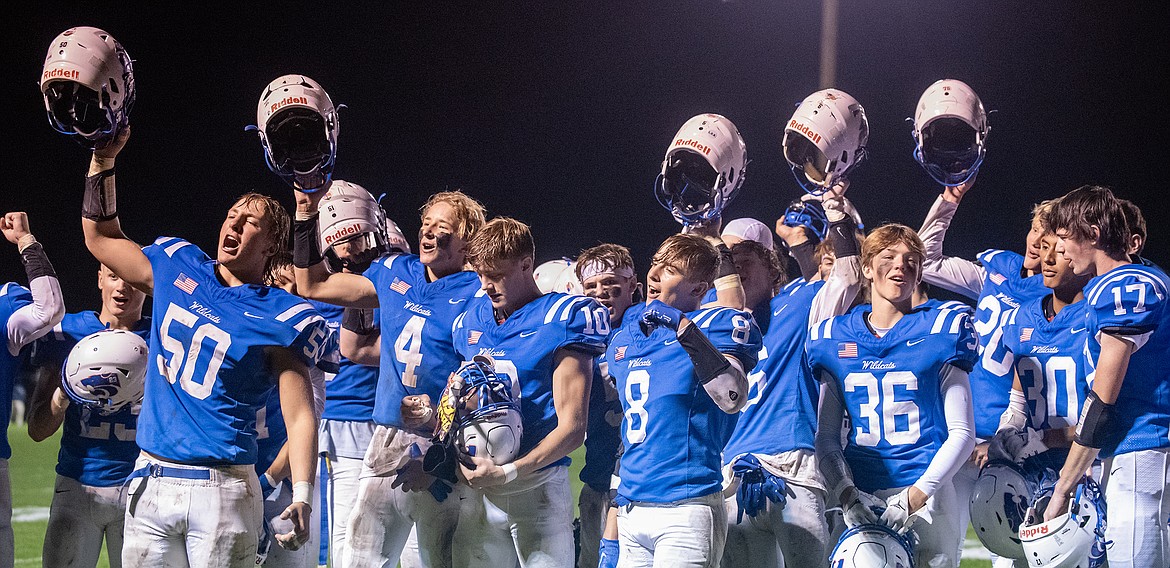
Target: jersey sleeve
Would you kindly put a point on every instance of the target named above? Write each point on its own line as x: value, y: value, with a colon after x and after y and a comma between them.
x: 965, y: 349
x: 586, y: 324
x: 1129, y: 304
x: 1002, y: 262
x: 304, y: 332
x: 732, y: 332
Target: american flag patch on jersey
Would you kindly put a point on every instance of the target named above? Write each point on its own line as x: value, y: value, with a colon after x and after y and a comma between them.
x: 399, y: 286
x: 186, y: 284
x: 619, y: 353
x: 847, y: 350
x: 473, y: 337
x: 1026, y: 334
x: 998, y: 278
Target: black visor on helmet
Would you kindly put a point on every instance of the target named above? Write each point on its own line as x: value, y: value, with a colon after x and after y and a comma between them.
x: 74, y: 108
x: 689, y: 183
x: 297, y: 139
x: 949, y: 144
x: 801, y: 152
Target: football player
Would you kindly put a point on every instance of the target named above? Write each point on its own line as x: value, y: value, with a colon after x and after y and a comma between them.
x: 1125, y: 415
x: 899, y: 373
x: 545, y: 345
x: 772, y: 444
x: 26, y: 316
x: 194, y: 494
x: 607, y: 275
x: 419, y: 297
x: 97, y: 447
x: 681, y: 372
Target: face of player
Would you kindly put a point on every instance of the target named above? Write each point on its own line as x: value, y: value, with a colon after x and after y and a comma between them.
x: 352, y: 249
x: 1058, y: 274
x: 669, y: 285
x: 612, y: 291
x: 119, y: 299
x: 894, y: 273
x: 1078, y: 252
x: 826, y: 265
x: 439, y: 247
x: 244, y: 244
x: 755, y: 278
x: 1032, y: 245
x: 506, y: 282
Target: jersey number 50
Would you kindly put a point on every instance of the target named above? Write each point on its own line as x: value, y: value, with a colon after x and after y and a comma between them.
x: 182, y: 360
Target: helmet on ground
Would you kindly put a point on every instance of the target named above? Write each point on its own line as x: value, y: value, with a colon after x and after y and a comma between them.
x: 557, y: 276
x: 825, y: 139
x: 106, y: 370
x: 1075, y: 539
x: 349, y: 214
x: 487, y: 415
x: 872, y: 546
x: 87, y: 84
x: 298, y: 128
x: 703, y: 169
x: 950, y: 132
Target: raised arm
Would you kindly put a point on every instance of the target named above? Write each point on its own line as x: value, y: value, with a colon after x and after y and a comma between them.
x: 958, y: 275
x: 361, y: 340
x: 47, y: 308
x: 314, y: 280
x: 99, y: 220
x: 844, y: 281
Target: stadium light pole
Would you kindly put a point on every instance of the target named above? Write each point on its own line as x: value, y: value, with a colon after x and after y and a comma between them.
x: 829, y: 10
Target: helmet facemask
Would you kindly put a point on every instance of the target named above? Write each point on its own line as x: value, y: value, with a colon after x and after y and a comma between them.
x: 299, y: 149
x: 951, y: 150
x: 808, y: 159
x: 356, y: 262
x: 689, y: 188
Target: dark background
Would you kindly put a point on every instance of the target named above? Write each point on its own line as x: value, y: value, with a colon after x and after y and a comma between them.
x: 558, y: 113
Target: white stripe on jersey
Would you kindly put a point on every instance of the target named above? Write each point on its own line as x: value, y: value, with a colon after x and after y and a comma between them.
x: 1157, y: 284
x: 4, y: 290
x: 58, y: 331
x: 305, y: 322
x: 569, y: 308
x: 552, y: 312
x: 289, y: 313
x: 823, y: 330
x: 986, y: 256
x: 173, y: 248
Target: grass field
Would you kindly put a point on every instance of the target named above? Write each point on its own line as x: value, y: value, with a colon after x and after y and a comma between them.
x: 32, y: 473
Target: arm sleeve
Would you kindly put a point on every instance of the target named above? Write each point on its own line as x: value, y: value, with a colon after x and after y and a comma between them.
x: 830, y: 453
x: 729, y: 388
x: 805, y: 256
x: 835, y: 297
x: 958, y: 275
x: 960, y: 417
x: 35, y: 319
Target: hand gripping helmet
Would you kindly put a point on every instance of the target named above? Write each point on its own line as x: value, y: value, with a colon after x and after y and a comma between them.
x: 558, y: 276
x: 105, y: 371
x: 87, y: 84
x: 1074, y: 539
x: 825, y: 139
x: 487, y: 416
x: 872, y: 546
x: 703, y: 169
x: 349, y: 213
x: 950, y: 132
x: 1001, y: 498
x: 807, y: 213
x: 297, y: 123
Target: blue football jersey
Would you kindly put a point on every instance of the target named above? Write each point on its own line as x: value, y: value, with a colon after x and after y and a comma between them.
x: 1049, y: 357
x: 349, y: 393
x: 891, y: 387
x: 524, y: 347
x: 13, y: 296
x: 415, y: 318
x: 209, y: 373
x: 673, y: 432
x: 1004, y: 289
x: 97, y: 449
x: 781, y: 412
x: 270, y: 431
x: 1131, y: 300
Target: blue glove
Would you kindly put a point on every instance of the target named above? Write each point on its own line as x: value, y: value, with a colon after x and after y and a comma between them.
x: 608, y: 553
x: 266, y: 486
x: 440, y: 490
x: 657, y: 315
x: 757, y: 486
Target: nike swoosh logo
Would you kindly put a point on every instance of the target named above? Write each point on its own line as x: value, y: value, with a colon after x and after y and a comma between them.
x: 1078, y: 330
x: 777, y: 312
x: 528, y: 334
x: 671, y: 342
x: 914, y: 342
x: 453, y: 301
x: 253, y: 316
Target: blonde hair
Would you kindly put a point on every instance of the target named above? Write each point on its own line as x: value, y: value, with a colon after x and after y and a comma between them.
x: 692, y: 255
x: 469, y: 213
x: 501, y: 239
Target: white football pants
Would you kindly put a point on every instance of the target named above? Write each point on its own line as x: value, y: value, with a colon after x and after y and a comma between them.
x: 683, y: 534
x: 80, y: 518
x: 939, y: 540
x: 304, y: 557
x: 528, y: 521
x: 1137, y: 493
x: 796, y: 535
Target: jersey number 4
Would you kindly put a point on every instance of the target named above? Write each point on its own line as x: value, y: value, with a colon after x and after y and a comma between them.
x: 878, y: 415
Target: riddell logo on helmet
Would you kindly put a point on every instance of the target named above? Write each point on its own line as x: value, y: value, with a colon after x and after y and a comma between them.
x: 287, y: 101
x: 342, y: 233
x: 694, y: 144
x: 808, y: 132
x: 1030, y: 532
x: 61, y: 74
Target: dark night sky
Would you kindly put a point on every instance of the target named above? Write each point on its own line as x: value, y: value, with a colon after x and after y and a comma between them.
x: 558, y: 113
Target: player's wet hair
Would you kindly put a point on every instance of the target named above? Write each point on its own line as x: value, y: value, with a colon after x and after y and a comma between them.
x: 277, y: 230
x: 1092, y: 205
x: 606, y: 255
x: 501, y: 239
x: 1136, y: 222
x: 690, y: 254
x: 776, y: 272
x: 469, y: 213
x: 887, y: 236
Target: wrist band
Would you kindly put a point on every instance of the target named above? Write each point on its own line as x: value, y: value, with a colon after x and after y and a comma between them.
x: 305, y: 246
x: 303, y: 492
x: 36, y: 264
x: 843, y: 233
x: 100, y: 202
x: 358, y: 320
x: 708, y: 361
x: 729, y: 281
x: 510, y: 472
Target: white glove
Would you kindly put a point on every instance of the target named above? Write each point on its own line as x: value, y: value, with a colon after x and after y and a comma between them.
x: 860, y: 511
x: 897, y: 513
x: 1016, y: 444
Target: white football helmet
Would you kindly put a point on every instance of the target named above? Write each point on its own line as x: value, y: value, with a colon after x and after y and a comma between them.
x: 950, y: 132
x: 1074, y: 539
x: 488, y: 415
x: 999, y: 502
x: 825, y: 139
x: 558, y: 276
x: 349, y: 212
x: 87, y: 84
x: 872, y: 546
x: 397, y: 237
x: 298, y: 128
x: 703, y: 170
x: 106, y: 370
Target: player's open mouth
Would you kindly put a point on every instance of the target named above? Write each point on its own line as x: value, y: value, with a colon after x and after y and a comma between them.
x: 231, y: 244
x: 120, y: 301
